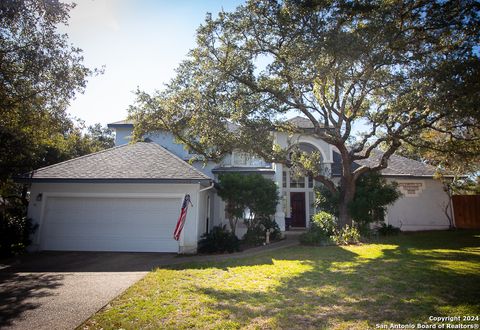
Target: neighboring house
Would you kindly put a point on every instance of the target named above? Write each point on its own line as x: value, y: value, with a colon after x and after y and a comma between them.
x: 128, y: 198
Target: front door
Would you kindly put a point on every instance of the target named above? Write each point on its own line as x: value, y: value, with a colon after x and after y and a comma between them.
x: 297, y: 202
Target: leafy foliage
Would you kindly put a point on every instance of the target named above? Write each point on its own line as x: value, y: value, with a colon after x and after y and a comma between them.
x: 347, y: 235
x: 257, y: 231
x: 455, y: 151
x: 322, y: 228
x: 40, y: 72
x: 372, y: 196
x: 15, y: 229
x: 401, y: 68
x: 252, y: 191
x: 323, y: 231
x: 219, y: 239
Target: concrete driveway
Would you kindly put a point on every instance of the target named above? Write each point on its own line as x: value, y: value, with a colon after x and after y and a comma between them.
x: 60, y: 290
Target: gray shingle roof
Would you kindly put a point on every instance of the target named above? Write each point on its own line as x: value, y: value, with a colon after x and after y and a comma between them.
x: 139, y: 161
x: 397, y: 165
x: 125, y: 122
x: 300, y: 122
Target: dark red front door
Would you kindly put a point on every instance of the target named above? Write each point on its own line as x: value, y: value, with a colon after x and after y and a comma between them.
x: 297, y: 202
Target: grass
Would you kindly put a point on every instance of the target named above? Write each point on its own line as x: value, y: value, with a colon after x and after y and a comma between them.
x: 402, y: 279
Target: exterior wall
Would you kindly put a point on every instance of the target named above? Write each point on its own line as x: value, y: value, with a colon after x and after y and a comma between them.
x: 167, y: 141
x: 189, y: 237
x: 422, y: 208
x: 205, y: 202
x: 122, y: 135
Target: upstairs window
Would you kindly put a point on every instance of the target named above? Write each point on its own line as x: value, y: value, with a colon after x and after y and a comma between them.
x: 241, y: 158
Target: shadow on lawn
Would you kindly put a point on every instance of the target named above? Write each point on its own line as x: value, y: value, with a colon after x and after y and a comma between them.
x: 406, y: 283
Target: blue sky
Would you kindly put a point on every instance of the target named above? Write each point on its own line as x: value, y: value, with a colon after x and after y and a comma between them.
x: 140, y: 43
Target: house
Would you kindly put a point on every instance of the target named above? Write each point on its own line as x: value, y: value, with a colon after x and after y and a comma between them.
x: 128, y: 198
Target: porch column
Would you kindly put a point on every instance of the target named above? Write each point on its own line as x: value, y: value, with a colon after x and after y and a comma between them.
x: 279, y: 214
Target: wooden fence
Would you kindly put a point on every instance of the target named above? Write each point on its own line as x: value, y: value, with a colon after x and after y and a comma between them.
x: 466, y: 209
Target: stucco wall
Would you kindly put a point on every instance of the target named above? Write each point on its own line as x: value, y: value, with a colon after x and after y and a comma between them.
x: 421, y: 210
x: 189, y: 238
x: 122, y: 135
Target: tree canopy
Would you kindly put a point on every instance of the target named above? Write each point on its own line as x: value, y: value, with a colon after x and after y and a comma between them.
x: 252, y: 191
x: 395, y: 69
x: 40, y: 73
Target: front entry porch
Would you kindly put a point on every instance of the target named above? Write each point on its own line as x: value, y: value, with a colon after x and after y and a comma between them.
x: 297, y: 210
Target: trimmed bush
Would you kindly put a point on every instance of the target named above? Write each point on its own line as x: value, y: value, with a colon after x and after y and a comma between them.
x: 219, y: 240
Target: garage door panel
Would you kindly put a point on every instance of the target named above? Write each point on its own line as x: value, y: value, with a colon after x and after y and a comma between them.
x: 110, y: 224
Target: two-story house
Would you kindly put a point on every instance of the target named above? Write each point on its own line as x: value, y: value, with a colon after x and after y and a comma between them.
x: 128, y: 198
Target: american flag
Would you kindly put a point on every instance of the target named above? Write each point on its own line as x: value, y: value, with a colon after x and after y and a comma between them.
x: 181, y: 218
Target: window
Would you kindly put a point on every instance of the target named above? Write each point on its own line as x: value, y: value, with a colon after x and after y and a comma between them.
x: 284, y: 179
x: 310, y: 182
x: 241, y: 158
x: 297, y: 181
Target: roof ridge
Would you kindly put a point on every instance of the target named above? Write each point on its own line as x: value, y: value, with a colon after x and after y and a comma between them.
x: 82, y: 157
x: 178, y: 158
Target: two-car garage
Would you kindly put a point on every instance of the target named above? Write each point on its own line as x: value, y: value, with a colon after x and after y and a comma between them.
x: 99, y: 223
x: 127, y: 199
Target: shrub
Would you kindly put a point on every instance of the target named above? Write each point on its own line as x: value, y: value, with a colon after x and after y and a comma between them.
x: 256, y: 232
x: 388, y: 230
x: 325, y: 222
x: 323, y: 231
x: 322, y: 227
x: 372, y: 196
x: 346, y: 236
x: 219, y: 239
x: 15, y: 232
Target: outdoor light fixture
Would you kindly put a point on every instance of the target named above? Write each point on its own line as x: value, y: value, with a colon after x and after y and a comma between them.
x: 39, y: 197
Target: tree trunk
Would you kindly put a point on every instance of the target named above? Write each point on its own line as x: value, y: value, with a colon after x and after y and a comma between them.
x: 347, y: 192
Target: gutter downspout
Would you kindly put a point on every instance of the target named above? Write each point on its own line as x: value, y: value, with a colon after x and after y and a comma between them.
x: 210, y: 187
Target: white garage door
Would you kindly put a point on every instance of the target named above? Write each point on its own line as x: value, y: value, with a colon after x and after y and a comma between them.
x: 110, y: 224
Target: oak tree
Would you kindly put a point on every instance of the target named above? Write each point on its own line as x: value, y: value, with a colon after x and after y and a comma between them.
x: 366, y: 74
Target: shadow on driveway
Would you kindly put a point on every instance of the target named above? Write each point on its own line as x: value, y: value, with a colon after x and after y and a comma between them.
x: 61, y: 289
x: 86, y: 262
x: 19, y: 293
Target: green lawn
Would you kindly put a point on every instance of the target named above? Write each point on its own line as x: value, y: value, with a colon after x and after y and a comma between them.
x: 403, y: 279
